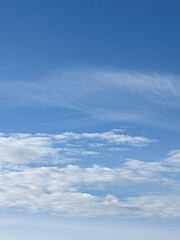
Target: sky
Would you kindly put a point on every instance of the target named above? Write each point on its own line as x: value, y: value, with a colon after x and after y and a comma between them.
x: 89, y: 119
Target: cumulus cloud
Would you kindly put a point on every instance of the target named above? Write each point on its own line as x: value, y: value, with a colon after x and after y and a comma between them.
x: 56, y: 190
x: 26, y: 148
x: 31, y: 177
x: 67, y: 190
x: 53, y: 148
x: 113, y: 137
x: 110, y: 137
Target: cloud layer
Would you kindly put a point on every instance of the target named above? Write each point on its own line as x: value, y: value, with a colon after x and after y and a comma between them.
x: 32, y: 178
x: 66, y: 191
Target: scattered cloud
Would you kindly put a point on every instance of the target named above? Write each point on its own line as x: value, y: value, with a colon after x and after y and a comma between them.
x: 174, y: 157
x: 30, y: 181
x: 113, y: 137
x: 54, y: 148
x: 57, y: 190
x: 118, y: 149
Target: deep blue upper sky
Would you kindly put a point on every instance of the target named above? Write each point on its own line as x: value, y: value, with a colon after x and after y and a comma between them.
x: 41, y: 36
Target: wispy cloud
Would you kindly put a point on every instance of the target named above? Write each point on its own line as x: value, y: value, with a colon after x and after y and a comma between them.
x: 144, y: 82
x: 108, y: 95
x: 174, y: 157
x: 71, y: 87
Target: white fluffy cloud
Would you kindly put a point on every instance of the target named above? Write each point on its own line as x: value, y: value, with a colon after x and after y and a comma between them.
x: 25, y: 148
x: 56, y: 190
x: 67, y: 190
x: 38, y: 148
x: 32, y: 179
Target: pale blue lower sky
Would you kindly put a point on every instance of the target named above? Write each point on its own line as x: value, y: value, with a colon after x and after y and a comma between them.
x: 38, y: 227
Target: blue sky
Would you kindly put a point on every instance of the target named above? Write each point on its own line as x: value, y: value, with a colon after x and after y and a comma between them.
x: 90, y: 107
